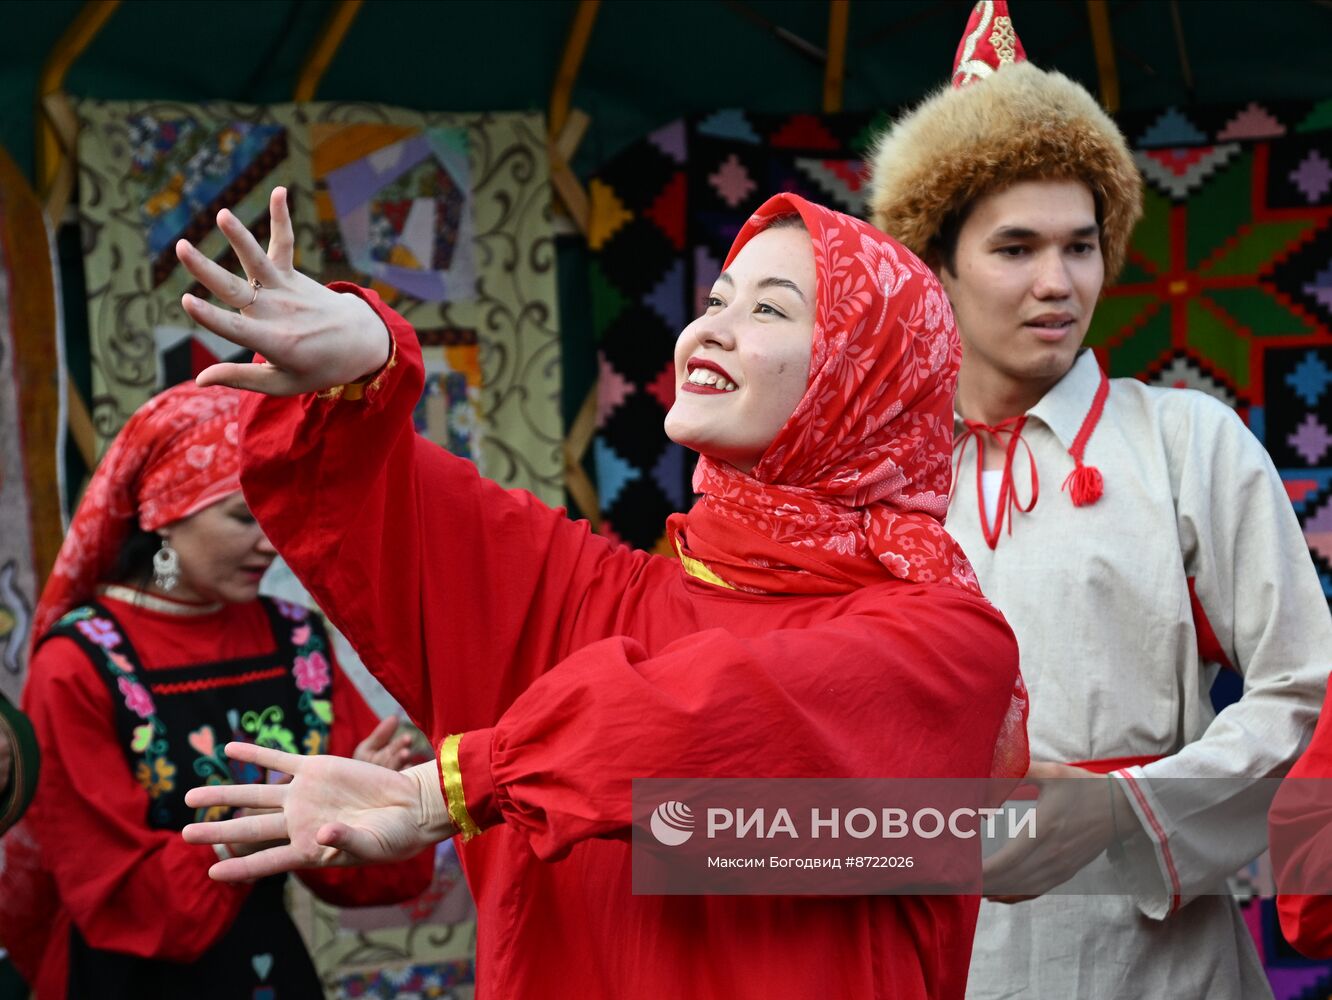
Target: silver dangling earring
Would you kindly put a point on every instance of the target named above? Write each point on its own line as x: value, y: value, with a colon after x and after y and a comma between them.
x: 166, y: 566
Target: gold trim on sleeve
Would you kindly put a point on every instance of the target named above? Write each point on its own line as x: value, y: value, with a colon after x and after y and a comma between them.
x: 354, y: 392
x: 455, y: 799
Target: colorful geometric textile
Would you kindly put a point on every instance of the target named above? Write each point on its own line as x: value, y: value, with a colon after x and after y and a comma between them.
x: 1228, y: 289
x: 31, y: 418
x: 445, y: 215
x: 664, y: 213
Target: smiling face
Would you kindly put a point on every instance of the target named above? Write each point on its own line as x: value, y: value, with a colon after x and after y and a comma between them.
x: 1026, y: 275
x: 741, y: 367
x: 223, y: 553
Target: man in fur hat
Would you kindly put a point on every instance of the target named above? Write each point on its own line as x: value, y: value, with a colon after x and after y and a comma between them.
x: 1137, y: 539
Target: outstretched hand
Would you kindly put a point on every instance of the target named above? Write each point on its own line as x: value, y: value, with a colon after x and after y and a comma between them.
x: 334, y: 811
x: 312, y: 338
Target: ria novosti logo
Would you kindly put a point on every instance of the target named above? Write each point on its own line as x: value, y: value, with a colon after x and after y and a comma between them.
x: 672, y: 823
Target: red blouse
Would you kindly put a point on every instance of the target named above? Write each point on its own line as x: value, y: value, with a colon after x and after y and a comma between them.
x: 573, y: 666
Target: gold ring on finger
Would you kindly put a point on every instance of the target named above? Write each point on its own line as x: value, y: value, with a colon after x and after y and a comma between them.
x: 256, y: 285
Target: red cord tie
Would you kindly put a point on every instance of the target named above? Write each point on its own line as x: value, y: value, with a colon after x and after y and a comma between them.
x: 1085, y: 484
x: 1008, y: 501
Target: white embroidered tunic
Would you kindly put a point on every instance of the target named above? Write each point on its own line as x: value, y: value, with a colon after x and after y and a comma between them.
x: 1099, y: 598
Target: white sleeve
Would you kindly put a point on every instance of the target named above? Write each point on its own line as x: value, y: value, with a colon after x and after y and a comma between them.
x: 1203, y: 809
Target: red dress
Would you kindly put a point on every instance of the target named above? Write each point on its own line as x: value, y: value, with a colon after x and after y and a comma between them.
x: 1300, y: 837
x: 126, y: 884
x: 573, y: 665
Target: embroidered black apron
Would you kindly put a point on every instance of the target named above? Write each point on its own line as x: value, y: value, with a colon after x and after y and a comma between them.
x: 172, y: 725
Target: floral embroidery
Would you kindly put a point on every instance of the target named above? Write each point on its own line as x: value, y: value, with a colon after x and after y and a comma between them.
x: 313, y: 676
x: 101, y: 631
x: 143, y: 735
x: 203, y: 741
x: 137, y: 698
x: 156, y: 778
x: 312, y: 673
x: 267, y: 729
x: 292, y: 612
x: 152, y: 766
x: 77, y: 615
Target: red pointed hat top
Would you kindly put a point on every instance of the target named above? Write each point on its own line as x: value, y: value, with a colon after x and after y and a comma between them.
x: 989, y: 42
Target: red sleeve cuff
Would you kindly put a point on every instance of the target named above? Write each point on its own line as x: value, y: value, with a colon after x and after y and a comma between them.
x: 464, y: 764
x: 367, y: 385
x: 478, y: 785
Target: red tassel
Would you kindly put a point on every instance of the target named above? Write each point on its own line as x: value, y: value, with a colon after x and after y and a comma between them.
x: 1085, y: 485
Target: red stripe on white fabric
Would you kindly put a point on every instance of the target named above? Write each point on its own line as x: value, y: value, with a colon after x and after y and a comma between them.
x: 1158, y: 834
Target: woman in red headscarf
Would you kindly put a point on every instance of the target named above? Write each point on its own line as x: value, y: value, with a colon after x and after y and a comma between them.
x: 817, y: 622
x: 154, y: 649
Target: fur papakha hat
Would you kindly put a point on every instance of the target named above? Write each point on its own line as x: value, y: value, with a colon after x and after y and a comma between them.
x: 1001, y: 121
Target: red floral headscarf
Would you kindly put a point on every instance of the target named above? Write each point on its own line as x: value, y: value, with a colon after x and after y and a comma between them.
x: 175, y: 456
x: 854, y: 488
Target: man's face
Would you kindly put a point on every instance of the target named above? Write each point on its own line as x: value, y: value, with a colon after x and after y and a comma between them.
x: 1025, y: 279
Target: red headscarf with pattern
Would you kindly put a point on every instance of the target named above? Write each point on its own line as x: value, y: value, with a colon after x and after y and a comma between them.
x: 854, y: 488
x: 175, y: 456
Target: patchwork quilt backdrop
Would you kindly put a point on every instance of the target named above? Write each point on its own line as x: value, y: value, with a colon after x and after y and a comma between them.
x: 445, y: 215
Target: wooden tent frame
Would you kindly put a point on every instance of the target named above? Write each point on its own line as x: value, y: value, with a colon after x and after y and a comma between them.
x: 57, y: 137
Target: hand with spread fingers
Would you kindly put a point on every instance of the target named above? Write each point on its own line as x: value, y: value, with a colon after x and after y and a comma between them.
x: 311, y: 338
x: 333, y: 811
x: 1077, y: 816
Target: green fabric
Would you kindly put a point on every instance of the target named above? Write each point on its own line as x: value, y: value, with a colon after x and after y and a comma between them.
x: 21, y: 781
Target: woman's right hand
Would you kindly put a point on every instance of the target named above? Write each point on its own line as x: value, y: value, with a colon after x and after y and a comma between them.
x: 312, y: 338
